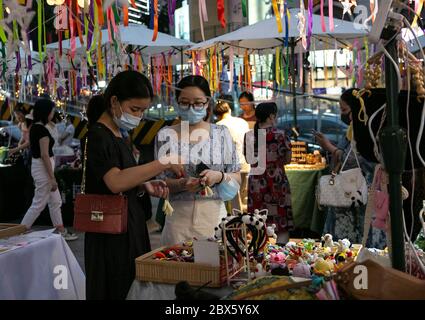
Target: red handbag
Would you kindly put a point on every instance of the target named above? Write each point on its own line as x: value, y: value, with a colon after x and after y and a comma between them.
x: 99, y: 213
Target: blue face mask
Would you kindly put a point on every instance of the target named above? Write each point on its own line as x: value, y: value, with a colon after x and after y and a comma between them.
x: 228, y: 189
x: 127, y: 121
x: 191, y: 115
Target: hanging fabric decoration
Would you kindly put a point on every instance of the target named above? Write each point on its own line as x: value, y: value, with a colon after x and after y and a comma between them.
x: 301, y: 69
x: 287, y: 67
x: 277, y: 16
x: 287, y: 17
x: 244, y: 10
x: 335, y: 70
x: 418, y: 8
x: 100, y: 17
x: 301, y: 25
x: 325, y: 63
x: 155, y: 20
x: 231, y: 67
x: 40, y: 29
x: 203, y: 16
x: 171, y: 11
x: 125, y: 15
x: 92, y: 32
x: 310, y: 23
x: 220, y: 13
x: 331, y: 16
x: 277, y: 66
x: 359, y: 63
x: 2, y: 34
x: 322, y: 14
x: 78, y: 23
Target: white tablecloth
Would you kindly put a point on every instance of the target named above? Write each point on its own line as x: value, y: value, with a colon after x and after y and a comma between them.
x: 28, y: 271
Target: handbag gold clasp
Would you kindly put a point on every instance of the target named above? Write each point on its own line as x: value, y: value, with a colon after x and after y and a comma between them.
x: 97, y: 216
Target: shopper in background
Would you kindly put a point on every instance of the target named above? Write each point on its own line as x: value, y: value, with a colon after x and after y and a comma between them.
x: 349, y: 222
x: 111, y: 169
x: 24, y: 124
x: 66, y: 136
x: 271, y: 190
x: 246, y: 102
x: 238, y: 127
x: 196, y: 214
x: 42, y: 170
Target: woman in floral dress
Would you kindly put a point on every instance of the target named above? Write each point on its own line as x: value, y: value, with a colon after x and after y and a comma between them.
x: 268, y: 186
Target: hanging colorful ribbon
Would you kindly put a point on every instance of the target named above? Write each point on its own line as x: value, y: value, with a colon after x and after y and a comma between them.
x: 325, y: 63
x: 310, y: 23
x: 171, y: 11
x: 39, y: 28
x: 359, y: 63
x: 322, y: 15
x: 203, y: 16
x: 244, y: 9
x: 155, y: 20
x: 331, y: 16
x: 302, y: 25
x: 231, y: 67
x: 2, y: 34
x: 78, y: 23
x: 418, y: 8
x: 277, y: 16
x: 301, y: 69
x: 287, y: 67
x: 287, y: 16
x: 220, y: 13
x: 125, y: 15
x: 277, y: 66
x: 100, y: 17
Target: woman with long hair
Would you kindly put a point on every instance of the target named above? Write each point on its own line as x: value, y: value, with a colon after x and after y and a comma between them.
x: 112, y: 169
x: 42, y: 170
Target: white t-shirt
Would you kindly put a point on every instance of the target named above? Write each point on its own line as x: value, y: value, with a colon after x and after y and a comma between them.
x: 237, y: 127
x: 69, y: 131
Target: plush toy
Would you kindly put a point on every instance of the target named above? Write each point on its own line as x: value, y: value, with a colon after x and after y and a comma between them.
x: 271, y: 231
x: 302, y: 270
x: 343, y: 245
x: 327, y: 241
x: 323, y: 267
x: 277, y: 259
x: 258, y: 272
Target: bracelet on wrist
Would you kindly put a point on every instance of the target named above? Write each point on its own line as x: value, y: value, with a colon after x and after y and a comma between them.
x: 222, y: 177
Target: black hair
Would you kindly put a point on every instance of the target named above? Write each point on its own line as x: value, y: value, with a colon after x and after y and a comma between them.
x: 262, y: 112
x: 127, y: 85
x: 193, y: 81
x: 95, y: 108
x: 42, y: 109
x: 248, y: 95
x: 222, y: 107
x: 227, y: 98
x: 348, y: 97
x: 28, y: 123
x: 197, y: 82
x: 20, y: 108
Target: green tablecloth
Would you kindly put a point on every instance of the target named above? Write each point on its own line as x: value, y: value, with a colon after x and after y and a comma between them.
x: 305, y: 211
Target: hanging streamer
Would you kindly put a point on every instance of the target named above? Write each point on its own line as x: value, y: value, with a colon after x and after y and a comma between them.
x: 325, y: 64
x: 220, y: 13
x: 155, y: 20
x: 244, y: 10
x: 203, y: 16
x: 171, y: 11
x: 125, y: 14
x: 277, y: 66
x: 302, y: 25
x: 331, y: 16
x: 231, y: 67
x: 78, y: 23
x: 39, y: 28
x: 277, y: 16
x: 322, y: 15
x: 100, y: 17
x: 301, y: 69
x: 310, y: 23
x: 2, y: 34
x: 286, y: 13
x: 359, y: 63
x: 418, y: 8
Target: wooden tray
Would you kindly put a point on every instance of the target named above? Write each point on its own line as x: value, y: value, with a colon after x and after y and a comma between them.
x: 172, y: 272
x: 9, y: 229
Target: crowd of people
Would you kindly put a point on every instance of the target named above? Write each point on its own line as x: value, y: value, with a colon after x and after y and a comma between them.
x: 198, y: 175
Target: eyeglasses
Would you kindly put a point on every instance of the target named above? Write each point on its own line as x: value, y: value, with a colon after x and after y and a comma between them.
x: 184, y: 105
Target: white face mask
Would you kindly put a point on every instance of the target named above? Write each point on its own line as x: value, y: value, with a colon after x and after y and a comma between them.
x: 127, y: 121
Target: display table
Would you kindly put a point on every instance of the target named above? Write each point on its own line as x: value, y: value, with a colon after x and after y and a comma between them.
x: 28, y: 264
x: 305, y: 211
x: 160, y: 291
